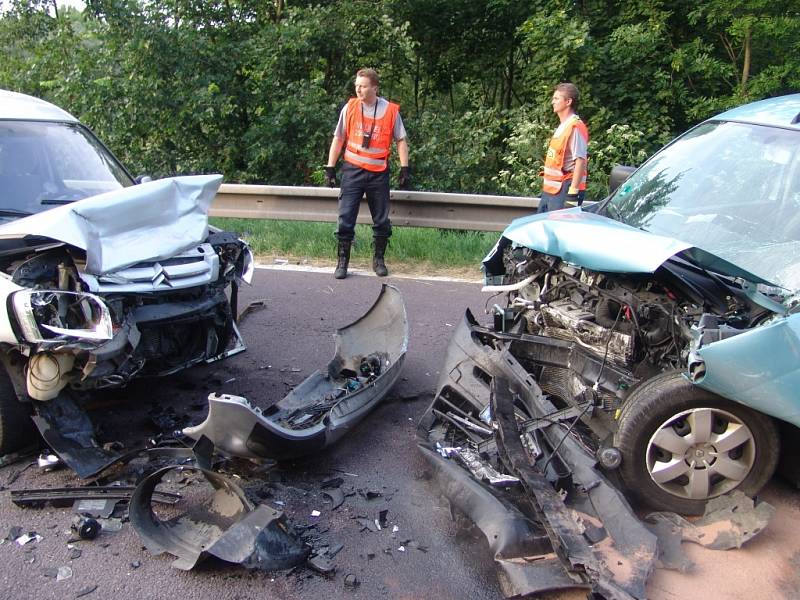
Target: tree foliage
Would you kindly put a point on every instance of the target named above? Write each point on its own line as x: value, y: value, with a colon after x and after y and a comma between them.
x: 252, y: 88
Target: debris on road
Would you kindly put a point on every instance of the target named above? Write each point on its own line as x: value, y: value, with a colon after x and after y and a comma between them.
x: 729, y: 522
x: 369, y: 356
x: 225, y: 525
x: 86, y: 527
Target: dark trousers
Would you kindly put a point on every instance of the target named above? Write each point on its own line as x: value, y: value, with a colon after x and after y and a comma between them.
x: 557, y: 201
x: 355, y: 183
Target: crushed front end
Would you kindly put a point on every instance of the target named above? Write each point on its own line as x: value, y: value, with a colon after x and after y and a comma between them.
x: 93, y: 303
x: 520, y: 469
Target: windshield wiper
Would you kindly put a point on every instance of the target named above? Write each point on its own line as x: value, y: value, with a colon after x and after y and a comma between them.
x: 51, y: 201
x: 13, y: 212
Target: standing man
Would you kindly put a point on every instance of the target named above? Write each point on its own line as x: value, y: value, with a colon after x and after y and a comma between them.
x: 565, y: 162
x: 367, y: 125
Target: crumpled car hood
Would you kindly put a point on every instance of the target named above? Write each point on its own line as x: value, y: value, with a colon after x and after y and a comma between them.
x: 150, y: 221
x: 602, y: 244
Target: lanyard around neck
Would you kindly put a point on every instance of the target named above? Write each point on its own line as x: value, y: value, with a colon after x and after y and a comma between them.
x: 374, y: 117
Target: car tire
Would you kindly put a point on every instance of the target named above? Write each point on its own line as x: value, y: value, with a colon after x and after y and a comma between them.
x: 682, y: 445
x: 16, y: 427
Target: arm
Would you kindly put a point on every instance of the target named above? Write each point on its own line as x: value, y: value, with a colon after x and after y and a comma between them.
x: 577, y: 175
x: 336, y: 149
x: 402, y: 152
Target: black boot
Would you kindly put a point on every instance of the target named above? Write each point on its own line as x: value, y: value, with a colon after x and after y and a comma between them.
x: 378, y: 265
x: 343, y: 252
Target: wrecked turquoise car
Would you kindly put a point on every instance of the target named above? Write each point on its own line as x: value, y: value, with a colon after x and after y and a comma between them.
x: 643, y: 352
x: 658, y: 327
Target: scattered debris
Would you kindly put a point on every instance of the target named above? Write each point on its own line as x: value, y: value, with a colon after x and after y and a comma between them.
x: 136, y: 564
x: 225, y: 525
x: 729, y: 521
x: 85, y: 591
x: 110, y: 525
x: 86, y: 527
x: 48, y: 461
x: 251, y: 308
x: 64, y: 573
x: 369, y: 356
x: 95, y: 508
x: 315, y: 513
x: 64, y: 496
x: 25, y: 538
x: 19, y: 456
x: 335, y: 496
x: 351, y: 581
x: 322, y: 564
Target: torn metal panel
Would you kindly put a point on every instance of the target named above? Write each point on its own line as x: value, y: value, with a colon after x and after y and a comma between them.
x: 150, y: 221
x: 369, y: 356
x: 729, y: 522
x: 225, y: 525
x: 748, y: 368
x: 588, y: 536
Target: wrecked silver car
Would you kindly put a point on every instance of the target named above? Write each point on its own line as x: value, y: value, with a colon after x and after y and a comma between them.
x: 646, y: 344
x: 103, y: 280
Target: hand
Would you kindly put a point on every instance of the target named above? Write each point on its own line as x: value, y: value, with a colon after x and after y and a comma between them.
x: 330, y: 176
x: 574, y: 195
x: 404, y: 180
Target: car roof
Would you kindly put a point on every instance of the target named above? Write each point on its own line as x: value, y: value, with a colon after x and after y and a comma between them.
x: 783, y: 111
x: 23, y: 107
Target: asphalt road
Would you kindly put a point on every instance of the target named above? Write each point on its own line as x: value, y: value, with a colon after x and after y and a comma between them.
x: 440, y: 557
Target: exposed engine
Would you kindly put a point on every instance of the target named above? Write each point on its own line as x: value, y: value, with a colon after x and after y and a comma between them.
x: 627, y: 326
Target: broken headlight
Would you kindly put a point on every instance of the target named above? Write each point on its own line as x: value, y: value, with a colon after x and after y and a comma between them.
x: 247, y: 265
x: 49, y: 315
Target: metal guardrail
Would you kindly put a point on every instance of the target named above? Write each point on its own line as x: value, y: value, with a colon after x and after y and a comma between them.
x: 415, y: 209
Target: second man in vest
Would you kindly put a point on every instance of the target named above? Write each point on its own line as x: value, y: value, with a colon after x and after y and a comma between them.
x: 367, y: 125
x: 565, y: 164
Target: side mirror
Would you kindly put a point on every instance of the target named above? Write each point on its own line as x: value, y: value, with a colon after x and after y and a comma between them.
x: 618, y: 175
x: 143, y: 179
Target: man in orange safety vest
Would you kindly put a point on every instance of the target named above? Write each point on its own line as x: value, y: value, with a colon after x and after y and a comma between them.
x: 565, y: 164
x: 367, y: 125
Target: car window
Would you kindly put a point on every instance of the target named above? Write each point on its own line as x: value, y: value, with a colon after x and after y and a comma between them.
x: 732, y: 189
x: 43, y: 164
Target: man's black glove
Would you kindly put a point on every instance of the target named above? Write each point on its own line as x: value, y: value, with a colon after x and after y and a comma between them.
x: 575, y: 196
x: 330, y: 176
x: 404, y: 180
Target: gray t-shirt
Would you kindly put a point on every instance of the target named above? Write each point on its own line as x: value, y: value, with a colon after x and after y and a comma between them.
x: 577, y: 148
x: 369, y: 109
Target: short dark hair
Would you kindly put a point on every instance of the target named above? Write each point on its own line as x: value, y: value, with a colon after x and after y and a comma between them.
x: 370, y: 74
x: 570, y: 90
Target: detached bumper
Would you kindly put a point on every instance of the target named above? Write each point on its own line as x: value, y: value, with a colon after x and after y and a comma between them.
x: 368, y: 360
x: 505, y: 456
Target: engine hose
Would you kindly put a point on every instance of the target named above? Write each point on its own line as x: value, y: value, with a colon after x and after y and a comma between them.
x: 606, y: 314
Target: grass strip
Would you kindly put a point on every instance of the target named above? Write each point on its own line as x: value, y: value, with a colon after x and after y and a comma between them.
x: 430, y: 249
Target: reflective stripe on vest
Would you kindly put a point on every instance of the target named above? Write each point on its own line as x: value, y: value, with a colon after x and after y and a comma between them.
x: 554, y: 175
x: 376, y: 157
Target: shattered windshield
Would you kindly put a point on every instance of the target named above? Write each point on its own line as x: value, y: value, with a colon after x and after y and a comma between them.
x: 732, y: 189
x: 44, y: 164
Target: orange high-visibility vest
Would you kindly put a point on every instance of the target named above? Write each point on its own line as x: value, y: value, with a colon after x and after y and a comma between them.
x: 554, y: 175
x: 376, y: 157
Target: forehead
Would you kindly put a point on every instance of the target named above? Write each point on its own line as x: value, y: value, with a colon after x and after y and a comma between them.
x: 559, y: 94
x: 363, y: 82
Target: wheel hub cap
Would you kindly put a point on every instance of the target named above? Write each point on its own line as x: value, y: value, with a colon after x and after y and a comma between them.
x: 700, y: 453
